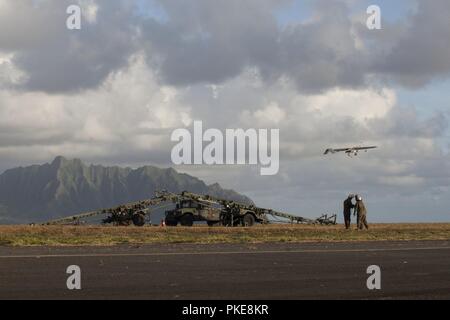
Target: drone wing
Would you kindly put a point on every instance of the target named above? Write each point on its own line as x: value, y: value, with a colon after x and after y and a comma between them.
x: 365, y: 148
x: 343, y: 150
x: 328, y: 151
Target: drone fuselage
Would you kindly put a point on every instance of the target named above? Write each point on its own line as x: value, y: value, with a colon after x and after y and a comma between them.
x: 351, y: 152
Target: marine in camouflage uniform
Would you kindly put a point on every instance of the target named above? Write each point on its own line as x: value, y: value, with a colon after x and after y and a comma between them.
x: 361, y: 212
x: 348, y: 206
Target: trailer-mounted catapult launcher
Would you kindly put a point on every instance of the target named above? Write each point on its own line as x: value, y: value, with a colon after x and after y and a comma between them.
x: 190, y: 208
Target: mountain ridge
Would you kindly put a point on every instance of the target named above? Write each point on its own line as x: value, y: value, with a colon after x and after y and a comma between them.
x: 64, y: 187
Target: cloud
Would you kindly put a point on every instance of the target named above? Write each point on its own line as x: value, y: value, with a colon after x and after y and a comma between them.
x: 206, y: 42
x: 128, y: 111
x: 322, y: 53
x: 10, y: 75
x: 56, y: 59
x: 271, y: 115
x: 402, y: 181
x: 211, y: 42
x: 421, y: 51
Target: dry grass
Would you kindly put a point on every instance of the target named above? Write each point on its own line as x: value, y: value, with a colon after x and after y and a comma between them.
x: 97, y: 235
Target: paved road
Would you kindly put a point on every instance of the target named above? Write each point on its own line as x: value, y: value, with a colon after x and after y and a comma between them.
x: 410, y: 270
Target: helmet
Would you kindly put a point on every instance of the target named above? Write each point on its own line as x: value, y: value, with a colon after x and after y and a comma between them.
x: 359, y: 198
x: 351, y: 196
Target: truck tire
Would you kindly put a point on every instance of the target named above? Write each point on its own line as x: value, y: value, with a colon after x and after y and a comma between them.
x: 248, y: 220
x: 138, y: 219
x: 171, y: 222
x: 187, y: 220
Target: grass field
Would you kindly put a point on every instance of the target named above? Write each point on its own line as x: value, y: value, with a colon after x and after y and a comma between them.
x: 97, y: 235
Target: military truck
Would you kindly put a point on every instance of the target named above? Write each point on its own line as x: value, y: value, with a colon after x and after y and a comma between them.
x: 194, y: 208
x: 188, y: 211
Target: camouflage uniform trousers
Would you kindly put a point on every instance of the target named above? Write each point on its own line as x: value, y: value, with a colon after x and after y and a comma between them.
x: 362, y: 222
x: 347, y: 219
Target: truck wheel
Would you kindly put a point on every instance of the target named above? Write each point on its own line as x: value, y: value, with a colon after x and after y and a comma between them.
x: 249, y: 220
x: 187, y: 220
x: 139, y: 220
x: 171, y: 222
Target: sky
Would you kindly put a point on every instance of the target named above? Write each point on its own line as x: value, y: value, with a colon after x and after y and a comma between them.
x: 113, y: 92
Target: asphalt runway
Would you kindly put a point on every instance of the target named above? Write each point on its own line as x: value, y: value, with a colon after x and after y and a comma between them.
x: 409, y: 270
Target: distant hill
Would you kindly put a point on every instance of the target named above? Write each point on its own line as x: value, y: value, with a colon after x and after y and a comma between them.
x: 64, y: 187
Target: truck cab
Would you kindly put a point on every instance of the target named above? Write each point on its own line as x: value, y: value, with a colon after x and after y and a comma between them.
x: 187, y: 212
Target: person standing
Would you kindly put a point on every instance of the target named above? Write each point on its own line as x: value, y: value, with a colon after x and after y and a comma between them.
x: 361, y: 212
x: 348, y: 206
